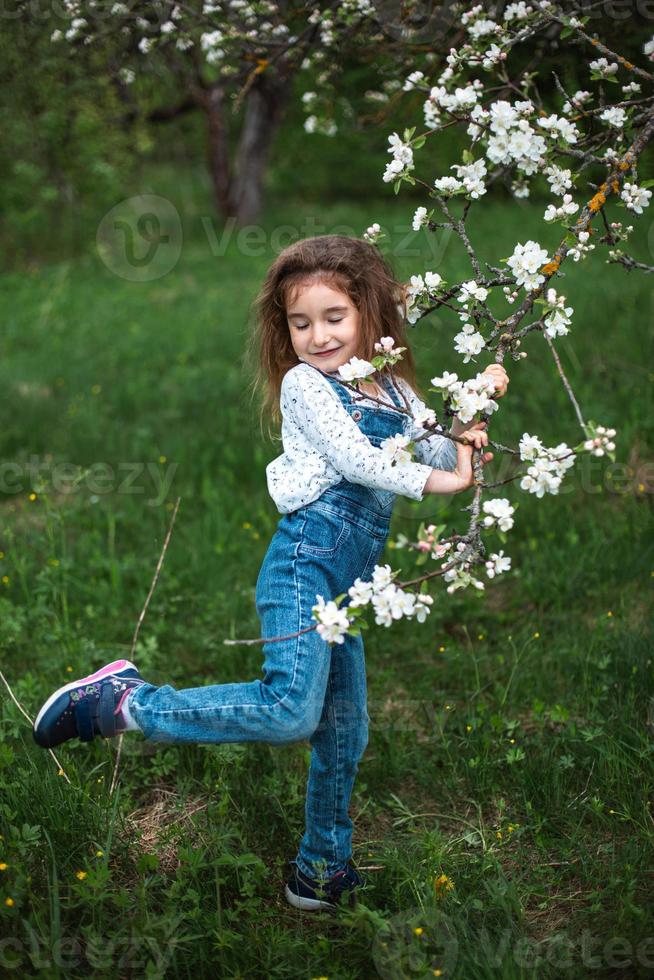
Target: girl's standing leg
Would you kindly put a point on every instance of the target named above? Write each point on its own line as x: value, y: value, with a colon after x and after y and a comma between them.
x: 336, y: 748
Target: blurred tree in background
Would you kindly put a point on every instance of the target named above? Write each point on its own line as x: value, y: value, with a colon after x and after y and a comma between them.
x: 87, y: 124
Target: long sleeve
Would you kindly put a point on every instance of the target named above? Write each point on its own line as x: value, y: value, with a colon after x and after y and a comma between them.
x: 437, y: 451
x: 311, y: 404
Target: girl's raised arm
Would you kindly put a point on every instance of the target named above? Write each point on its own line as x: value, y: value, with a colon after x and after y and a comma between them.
x: 309, y: 402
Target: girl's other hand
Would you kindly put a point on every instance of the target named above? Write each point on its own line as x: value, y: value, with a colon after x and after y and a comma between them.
x: 462, y: 476
x: 500, y: 377
x: 475, y: 437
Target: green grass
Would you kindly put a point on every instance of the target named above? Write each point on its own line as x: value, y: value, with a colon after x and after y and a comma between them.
x: 547, y: 839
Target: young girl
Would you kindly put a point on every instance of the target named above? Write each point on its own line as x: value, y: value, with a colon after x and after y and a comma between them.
x: 324, y: 300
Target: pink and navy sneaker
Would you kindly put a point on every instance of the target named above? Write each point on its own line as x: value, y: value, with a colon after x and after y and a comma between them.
x: 87, y: 707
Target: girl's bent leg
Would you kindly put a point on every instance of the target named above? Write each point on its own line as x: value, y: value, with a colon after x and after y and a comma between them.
x: 283, y: 707
x: 245, y: 712
x: 337, y: 746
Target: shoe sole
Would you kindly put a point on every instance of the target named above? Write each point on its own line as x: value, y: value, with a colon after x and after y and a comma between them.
x: 306, y: 904
x: 116, y: 667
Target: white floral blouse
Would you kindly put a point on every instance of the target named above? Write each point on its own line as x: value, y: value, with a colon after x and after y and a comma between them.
x: 322, y: 444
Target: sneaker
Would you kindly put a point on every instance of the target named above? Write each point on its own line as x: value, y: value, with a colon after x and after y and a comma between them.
x: 87, y: 707
x: 311, y: 895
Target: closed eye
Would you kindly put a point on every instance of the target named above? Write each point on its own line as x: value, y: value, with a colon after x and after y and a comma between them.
x: 303, y: 326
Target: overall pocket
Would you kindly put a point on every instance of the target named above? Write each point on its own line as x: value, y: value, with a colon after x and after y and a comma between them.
x: 322, y: 534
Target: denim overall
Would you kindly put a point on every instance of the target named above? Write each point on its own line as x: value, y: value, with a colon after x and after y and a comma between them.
x: 309, y: 689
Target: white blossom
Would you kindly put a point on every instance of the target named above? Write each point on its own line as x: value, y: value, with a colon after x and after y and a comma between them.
x: 498, y: 563
x: 614, y: 116
x: 636, y: 198
x: 395, y: 448
x: 356, y: 368
x: 604, y: 67
x: 419, y: 218
x: 498, y: 511
x: 525, y: 263
x: 568, y: 206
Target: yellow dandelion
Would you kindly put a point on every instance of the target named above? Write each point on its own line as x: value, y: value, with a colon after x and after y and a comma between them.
x: 480, y: 636
x: 32, y: 496
x: 468, y: 728
x: 99, y: 854
x: 5, y: 580
x: 61, y: 772
x: 442, y: 649
x: 246, y: 525
x: 9, y: 902
x: 609, y: 613
x: 448, y: 707
x: 69, y: 669
x: 3, y: 866
x: 162, y: 459
x: 641, y: 488
x: 512, y: 741
x: 418, y: 931
x: 438, y: 973
x: 81, y: 875
x: 498, y: 834
x: 443, y: 884
x: 2, y: 554
x: 536, y: 635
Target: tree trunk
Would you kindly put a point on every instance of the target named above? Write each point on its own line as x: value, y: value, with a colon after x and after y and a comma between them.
x: 213, y: 103
x: 265, y: 105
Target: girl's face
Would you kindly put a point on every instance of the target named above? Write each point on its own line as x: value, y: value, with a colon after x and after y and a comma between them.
x: 324, y: 326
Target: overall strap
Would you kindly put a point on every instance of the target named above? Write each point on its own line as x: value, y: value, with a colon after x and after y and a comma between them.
x: 390, y: 387
x: 344, y: 393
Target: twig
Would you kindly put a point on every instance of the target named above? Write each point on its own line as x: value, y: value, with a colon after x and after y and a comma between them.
x: 138, y: 627
x: 21, y: 708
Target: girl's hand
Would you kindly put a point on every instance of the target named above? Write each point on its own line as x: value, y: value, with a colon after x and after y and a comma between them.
x: 462, y: 476
x: 475, y: 437
x: 500, y: 377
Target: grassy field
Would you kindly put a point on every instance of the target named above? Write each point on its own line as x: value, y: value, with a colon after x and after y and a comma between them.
x: 509, y: 749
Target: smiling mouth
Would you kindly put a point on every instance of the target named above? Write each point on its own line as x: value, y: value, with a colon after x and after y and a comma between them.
x: 323, y: 353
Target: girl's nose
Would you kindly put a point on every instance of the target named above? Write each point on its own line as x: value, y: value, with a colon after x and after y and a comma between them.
x: 321, y: 335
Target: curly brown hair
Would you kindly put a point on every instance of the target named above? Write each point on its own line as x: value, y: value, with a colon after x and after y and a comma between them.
x: 350, y: 265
